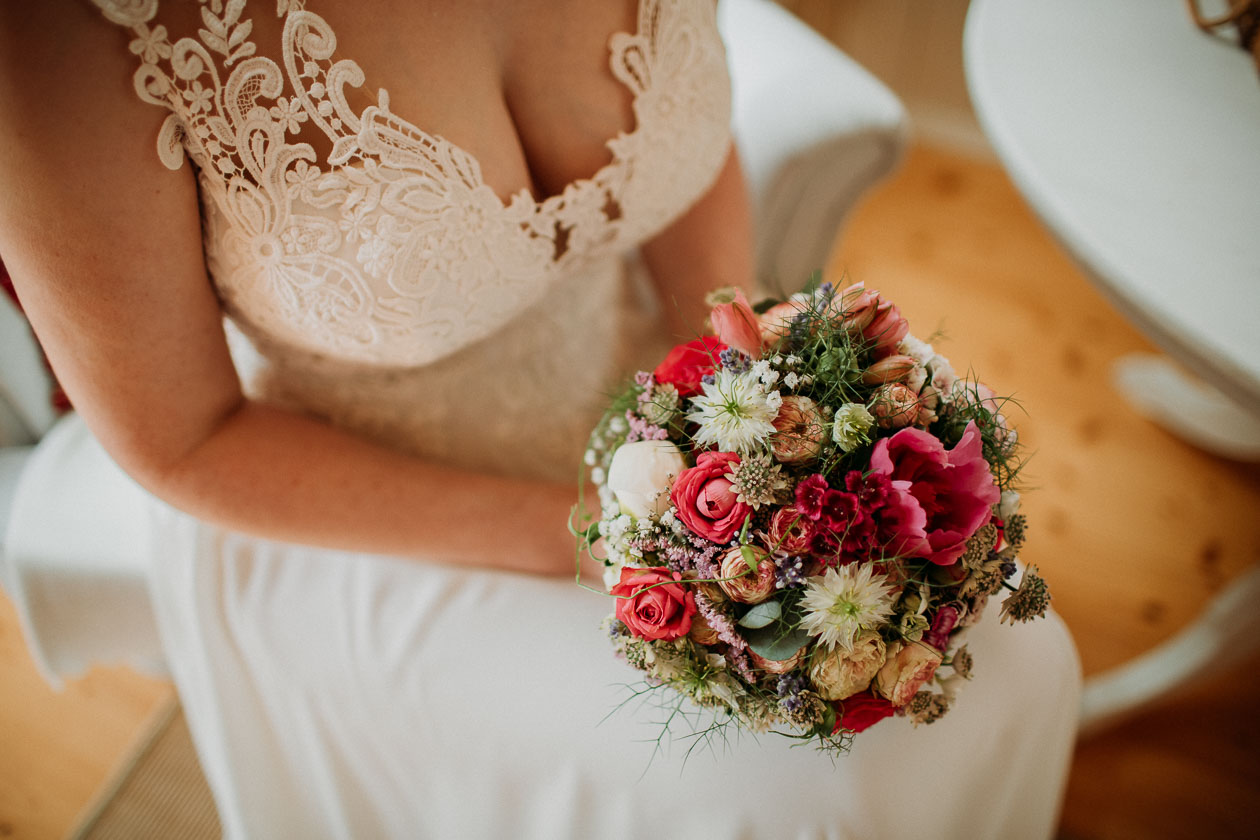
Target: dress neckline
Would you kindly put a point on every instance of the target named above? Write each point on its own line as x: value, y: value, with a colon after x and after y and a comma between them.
x: 526, y: 195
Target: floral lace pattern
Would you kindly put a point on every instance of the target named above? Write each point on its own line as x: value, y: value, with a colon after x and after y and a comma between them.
x: 393, y: 250
x: 363, y: 287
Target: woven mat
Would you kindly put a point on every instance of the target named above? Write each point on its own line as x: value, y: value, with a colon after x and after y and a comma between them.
x: 160, y: 793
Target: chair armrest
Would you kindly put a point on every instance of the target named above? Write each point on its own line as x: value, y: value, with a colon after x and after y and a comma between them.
x: 814, y: 131
x: 26, y: 410
x: 75, y: 555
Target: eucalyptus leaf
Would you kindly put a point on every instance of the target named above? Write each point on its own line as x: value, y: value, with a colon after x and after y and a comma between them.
x: 761, y: 615
x: 776, y: 641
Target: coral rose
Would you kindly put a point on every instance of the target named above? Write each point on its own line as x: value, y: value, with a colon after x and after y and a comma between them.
x: 939, y: 498
x: 653, y: 604
x: 687, y: 364
x: 861, y: 711
x: 706, y: 502
x: 906, y: 668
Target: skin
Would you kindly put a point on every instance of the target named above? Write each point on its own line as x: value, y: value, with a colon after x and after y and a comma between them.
x: 104, y: 246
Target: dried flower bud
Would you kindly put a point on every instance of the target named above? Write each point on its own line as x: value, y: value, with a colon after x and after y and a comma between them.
x: 774, y: 666
x: 894, y: 406
x: 799, y: 431
x: 790, y: 531
x: 889, y: 369
x: 701, y: 633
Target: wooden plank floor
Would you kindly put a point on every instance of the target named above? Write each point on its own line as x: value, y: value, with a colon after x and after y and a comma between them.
x: 1134, y: 529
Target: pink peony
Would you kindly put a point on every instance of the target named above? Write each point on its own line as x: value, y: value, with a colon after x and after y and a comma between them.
x: 706, y: 502
x: 939, y: 498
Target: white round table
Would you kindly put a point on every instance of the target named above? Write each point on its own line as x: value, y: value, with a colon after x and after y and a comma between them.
x: 1136, y: 138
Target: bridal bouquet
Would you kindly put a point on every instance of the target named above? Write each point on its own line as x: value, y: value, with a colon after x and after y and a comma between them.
x: 802, y: 514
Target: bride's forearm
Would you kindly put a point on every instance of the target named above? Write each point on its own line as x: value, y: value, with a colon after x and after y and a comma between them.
x: 271, y: 473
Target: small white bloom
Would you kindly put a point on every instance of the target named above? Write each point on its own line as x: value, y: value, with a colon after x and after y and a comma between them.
x: 916, y: 349
x: 641, y: 473
x: 597, y: 475
x: 1009, y: 504
x: 844, y: 602
x: 851, y: 426
x: 765, y: 374
x: 589, y: 458
x: 791, y: 380
x: 618, y: 425
x: 734, y: 412
x: 943, y: 375
x: 793, y: 360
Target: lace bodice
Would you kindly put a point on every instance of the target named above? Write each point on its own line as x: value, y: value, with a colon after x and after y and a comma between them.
x: 351, y: 272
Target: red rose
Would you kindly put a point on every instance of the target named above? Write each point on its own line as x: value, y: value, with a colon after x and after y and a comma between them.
x: 861, y: 711
x: 706, y: 502
x: 653, y: 605
x: 688, y: 363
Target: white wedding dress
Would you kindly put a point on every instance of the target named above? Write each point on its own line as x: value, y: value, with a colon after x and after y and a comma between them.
x: 380, y: 284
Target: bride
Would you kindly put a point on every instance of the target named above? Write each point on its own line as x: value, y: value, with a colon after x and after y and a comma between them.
x: 349, y: 322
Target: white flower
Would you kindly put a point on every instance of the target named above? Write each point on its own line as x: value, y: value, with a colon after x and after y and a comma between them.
x: 765, y: 374
x: 791, y: 380
x: 844, y: 602
x: 641, y: 473
x: 735, y: 413
x: 851, y: 426
x: 1009, y: 504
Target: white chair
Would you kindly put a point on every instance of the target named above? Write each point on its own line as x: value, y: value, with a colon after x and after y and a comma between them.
x: 815, y: 131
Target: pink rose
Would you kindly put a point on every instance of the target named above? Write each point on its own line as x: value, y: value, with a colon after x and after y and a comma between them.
x: 939, y: 498
x: 685, y: 365
x: 737, y: 325
x: 861, y: 711
x: 653, y: 605
x: 706, y: 502
x: 906, y: 668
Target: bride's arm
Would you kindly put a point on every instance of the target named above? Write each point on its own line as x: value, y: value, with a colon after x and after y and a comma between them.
x: 709, y: 247
x: 104, y: 246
